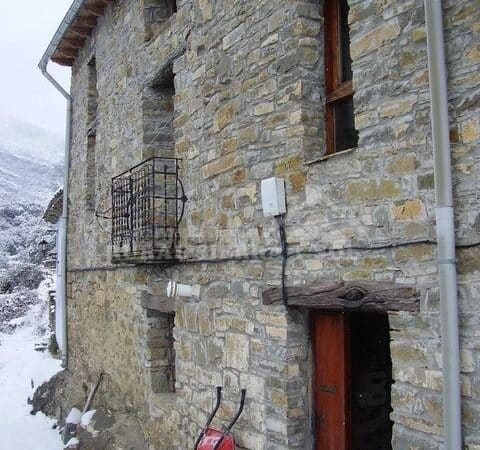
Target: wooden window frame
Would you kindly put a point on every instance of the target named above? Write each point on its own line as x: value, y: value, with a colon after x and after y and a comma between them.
x: 336, y: 90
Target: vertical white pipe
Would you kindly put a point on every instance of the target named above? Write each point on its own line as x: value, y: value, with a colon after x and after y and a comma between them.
x: 444, y: 214
x: 61, y: 283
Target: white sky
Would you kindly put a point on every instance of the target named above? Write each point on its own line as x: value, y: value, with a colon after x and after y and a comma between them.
x: 26, y: 30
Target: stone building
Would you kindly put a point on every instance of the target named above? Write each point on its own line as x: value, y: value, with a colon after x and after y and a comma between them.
x: 334, y: 99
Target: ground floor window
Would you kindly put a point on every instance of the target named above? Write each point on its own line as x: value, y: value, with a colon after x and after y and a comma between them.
x: 160, y: 353
x: 353, y: 378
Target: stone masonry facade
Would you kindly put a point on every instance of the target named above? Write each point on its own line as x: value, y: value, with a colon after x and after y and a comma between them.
x: 247, y: 105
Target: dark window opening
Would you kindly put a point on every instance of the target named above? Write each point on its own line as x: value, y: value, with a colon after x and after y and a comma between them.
x: 158, y: 115
x: 340, y: 125
x: 371, y: 375
x: 92, y: 108
x: 91, y: 172
x: 156, y: 12
x: 160, y: 357
x: 92, y: 102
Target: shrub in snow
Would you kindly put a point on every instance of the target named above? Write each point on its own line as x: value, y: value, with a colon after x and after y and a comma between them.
x: 20, y: 275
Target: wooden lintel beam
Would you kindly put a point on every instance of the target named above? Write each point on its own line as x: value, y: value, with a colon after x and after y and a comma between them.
x: 359, y: 296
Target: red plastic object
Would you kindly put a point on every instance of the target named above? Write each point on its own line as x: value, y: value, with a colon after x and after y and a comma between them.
x: 212, y: 436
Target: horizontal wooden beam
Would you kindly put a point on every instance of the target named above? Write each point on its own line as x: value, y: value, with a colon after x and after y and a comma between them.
x: 362, y: 296
x: 342, y: 91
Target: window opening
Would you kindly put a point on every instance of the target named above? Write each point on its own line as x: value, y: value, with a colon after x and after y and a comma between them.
x: 92, y: 107
x: 340, y: 126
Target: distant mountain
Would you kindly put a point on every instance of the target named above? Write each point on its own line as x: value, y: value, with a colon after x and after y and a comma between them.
x: 25, y: 140
x: 25, y: 180
x: 30, y: 162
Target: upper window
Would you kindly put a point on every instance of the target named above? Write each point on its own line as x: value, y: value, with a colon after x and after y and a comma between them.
x: 340, y: 126
x: 156, y: 13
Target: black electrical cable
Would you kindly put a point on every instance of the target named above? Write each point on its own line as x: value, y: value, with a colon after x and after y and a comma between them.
x: 267, y: 255
x: 284, y: 254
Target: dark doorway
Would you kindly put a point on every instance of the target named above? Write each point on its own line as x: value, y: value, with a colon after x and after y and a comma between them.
x: 353, y: 378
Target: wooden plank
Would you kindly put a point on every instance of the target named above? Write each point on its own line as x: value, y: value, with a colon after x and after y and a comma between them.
x: 348, y: 296
x: 331, y: 348
x: 342, y: 91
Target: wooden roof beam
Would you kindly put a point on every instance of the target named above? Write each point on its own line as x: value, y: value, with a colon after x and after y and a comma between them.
x: 98, y: 3
x: 68, y: 52
x: 63, y: 61
x: 96, y: 11
x: 86, y: 22
x: 82, y: 32
x: 72, y: 42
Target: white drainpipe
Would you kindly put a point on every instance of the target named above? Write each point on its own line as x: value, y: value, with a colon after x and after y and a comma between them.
x: 444, y: 214
x: 61, y: 303
x: 61, y: 285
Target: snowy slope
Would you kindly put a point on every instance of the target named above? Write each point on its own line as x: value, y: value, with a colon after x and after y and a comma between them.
x: 19, y: 365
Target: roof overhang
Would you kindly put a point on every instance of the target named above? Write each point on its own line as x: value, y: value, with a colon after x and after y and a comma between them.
x: 54, y: 209
x: 76, y: 27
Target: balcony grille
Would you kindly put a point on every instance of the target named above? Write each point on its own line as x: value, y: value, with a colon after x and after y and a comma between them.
x: 148, y: 203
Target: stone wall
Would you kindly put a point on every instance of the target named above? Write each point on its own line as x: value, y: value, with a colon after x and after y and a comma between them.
x: 248, y: 105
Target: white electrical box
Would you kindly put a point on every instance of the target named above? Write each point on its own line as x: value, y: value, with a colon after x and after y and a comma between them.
x: 273, y: 197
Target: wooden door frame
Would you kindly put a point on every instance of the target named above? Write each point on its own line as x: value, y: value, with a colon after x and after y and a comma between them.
x: 344, y: 368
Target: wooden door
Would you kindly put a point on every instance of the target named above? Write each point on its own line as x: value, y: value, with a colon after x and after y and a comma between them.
x: 331, y: 346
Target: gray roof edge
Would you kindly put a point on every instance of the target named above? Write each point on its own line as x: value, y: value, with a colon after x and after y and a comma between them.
x: 60, y: 33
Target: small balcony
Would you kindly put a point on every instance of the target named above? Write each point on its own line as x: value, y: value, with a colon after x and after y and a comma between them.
x: 148, y: 203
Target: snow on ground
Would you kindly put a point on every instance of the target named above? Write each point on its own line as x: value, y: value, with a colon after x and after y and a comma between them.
x: 19, y: 364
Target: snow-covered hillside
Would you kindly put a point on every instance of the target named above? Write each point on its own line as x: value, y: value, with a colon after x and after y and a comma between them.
x: 30, y: 171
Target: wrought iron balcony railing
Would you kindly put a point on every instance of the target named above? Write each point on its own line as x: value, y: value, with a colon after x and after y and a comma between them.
x: 148, y: 202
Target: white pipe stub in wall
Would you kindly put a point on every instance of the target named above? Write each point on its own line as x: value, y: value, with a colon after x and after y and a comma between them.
x: 175, y: 289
